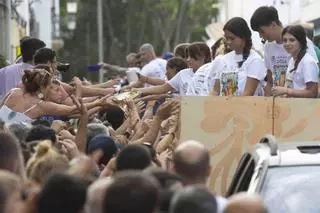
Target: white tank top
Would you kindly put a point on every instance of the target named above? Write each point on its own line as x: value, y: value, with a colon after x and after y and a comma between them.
x: 9, y: 116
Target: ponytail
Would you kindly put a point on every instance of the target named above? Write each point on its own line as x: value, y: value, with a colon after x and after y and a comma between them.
x: 299, y: 57
x: 246, y: 52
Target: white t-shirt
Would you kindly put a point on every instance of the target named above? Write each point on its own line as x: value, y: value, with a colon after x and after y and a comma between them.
x: 198, y: 85
x: 233, y: 79
x: 217, y: 64
x: 277, y: 59
x: 307, y: 71
x: 180, y: 82
x: 155, y: 69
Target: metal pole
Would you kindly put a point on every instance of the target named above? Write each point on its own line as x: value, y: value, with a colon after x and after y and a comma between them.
x: 8, y: 24
x: 100, y: 37
x: 28, y: 19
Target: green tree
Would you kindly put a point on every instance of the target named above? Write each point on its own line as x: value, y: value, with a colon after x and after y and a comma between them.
x: 128, y: 24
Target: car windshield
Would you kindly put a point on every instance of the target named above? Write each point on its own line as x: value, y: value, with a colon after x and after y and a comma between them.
x: 292, y: 189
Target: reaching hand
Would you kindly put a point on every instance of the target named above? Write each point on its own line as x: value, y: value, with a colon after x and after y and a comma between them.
x: 69, y: 148
x: 168, y: 108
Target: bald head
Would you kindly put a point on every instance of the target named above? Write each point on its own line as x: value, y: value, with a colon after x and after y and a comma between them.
x: 95, y: 194
x: 244, y: 203
x: 192, y: 161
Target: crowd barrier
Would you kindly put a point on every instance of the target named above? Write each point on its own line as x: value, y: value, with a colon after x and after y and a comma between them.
x: 230, y: 126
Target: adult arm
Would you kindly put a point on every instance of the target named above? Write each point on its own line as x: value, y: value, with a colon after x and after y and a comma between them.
x: 157, y: 89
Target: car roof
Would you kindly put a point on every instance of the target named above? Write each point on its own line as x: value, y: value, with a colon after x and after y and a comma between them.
x: 289, y: 153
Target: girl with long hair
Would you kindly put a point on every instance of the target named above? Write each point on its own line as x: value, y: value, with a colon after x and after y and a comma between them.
x: 302, y: 75
x: 242, y: 71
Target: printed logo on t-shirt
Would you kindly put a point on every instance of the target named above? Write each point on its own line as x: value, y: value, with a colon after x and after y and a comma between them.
x: 289, y: 80
x: 229, y: 84
x: 279, y: 75
x: 279, y: 65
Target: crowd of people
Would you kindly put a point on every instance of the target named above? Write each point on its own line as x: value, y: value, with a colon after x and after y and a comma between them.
x: 109, y: 148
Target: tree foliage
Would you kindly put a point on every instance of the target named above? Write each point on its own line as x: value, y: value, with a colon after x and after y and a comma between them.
x: 129, y: 23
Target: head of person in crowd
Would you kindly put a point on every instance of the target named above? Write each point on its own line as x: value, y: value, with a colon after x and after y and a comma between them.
x: 198, y: 54
x: 11, y: 157
x: 265, y: 21
x: 244, y: 203
x: 167, y: 180
x: 45, y: 59
x: 10, y: 193
x: 192, y: 162
x: 114, y: 116
x: 131, y: 192
x: 220, y: 47
x: 95, y: 195
x: 41, y: 132
x: 295, y: 42
x: 193, y: 199
x: 28, y: 48
x: 104, y: 143
x: 132, y: 59
x: 147, y: 53
x: 62, y: 193
x: 46, y: 56
x: 39, y: 82
x: 181, y: 50
x: 35, y: 81
x: 133, y: 157
x: 174, y: 66
x: 94, y: 129
x: 41, y: 122
x: 21, y: 131
x: 238, y: 37
x: 44, y: 161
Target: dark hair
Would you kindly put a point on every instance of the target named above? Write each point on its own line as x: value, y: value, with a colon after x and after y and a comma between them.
x: 42, y: 122
x: 239, y: 27
x: 9, y: 152
x: 193, y: 199
x: 133, y: 157
x: 177, y: 64
x: 62, y: 193
x: 131, y: 192
x: 199, y: 50
x: 41, y: 132
x: 114, y: 115
x: 180, y: 50
x: 19, y: 130
x: 104, y: 143
x: 220, y: 43
x: 43, y: 56
x: 35, y: 79
x: 264, y: 16
x: 299, y: 33
x: 29, y: 46
x: 165, y: 179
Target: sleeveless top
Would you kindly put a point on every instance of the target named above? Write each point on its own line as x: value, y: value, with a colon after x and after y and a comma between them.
x: 9, y: 116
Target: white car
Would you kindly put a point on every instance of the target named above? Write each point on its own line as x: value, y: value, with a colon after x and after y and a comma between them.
x: 286, y: 175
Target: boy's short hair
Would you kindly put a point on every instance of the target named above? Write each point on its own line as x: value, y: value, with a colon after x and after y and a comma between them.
x: 264, y: 16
